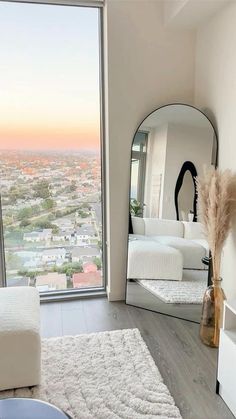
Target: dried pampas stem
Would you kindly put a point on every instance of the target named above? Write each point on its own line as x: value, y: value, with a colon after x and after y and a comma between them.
x: 217, y: 208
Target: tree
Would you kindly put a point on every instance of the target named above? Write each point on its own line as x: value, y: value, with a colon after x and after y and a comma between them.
x: 70, y: 268
x: 46, y: 224
x: 42, y: 189
x: 35, y: 209
x: 55, y: 229
x: 85, y: 205
x: 8, y: 221
x: 42, y: 224
x: 97, y: 262
x: 25, y: 213
x: 29, y: 274
x: 23, y: 272
x: 24, y: 223
x: 13, y: 261
x: 69, y: 283
x: 14, y: 194
x: 83, y: 214
x: 48, y: 204
x: 58, y: 214
x: 73, y: 186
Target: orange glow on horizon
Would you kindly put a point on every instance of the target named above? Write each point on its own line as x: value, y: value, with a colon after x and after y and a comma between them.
x: 50, y: 137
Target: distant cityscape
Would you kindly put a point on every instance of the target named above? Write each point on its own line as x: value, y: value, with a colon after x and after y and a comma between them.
x: 51, y: 206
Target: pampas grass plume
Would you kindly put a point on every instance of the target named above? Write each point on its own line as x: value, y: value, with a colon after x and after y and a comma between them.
x: 217, y: 208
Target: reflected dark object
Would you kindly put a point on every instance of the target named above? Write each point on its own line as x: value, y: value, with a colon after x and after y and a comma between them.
x: 208, y: 262
x: 188, y: 166
x: 130, y: 225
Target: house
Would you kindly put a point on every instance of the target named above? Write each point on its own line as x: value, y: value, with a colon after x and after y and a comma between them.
x: 51, y: 281
x: 85, y: 234
x: 38, y: 236
x: 89, y: 279
x: 46, y: 234
x: 19, y: 281
x: 33, y: 263
x: 89, y: 267
x: 34, y: 236
x: 56, y: 255
x: 62, y: 236
x: 83, y: 253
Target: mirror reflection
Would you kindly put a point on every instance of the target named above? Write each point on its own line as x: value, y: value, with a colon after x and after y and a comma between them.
x: 167, y: 247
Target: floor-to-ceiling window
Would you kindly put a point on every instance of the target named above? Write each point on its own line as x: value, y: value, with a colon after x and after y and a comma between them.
x: 50, y: 146
x: 138, y: 169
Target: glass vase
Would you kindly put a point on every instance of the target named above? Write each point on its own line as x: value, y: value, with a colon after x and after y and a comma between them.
x: 212, y: 314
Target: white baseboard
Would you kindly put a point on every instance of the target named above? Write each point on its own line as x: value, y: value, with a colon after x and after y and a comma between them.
x: 229, y: 399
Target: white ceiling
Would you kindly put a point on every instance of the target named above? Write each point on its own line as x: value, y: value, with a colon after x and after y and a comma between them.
x: 190, y: 14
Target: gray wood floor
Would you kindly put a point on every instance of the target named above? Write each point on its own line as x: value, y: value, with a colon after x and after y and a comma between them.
x: 187, y: 366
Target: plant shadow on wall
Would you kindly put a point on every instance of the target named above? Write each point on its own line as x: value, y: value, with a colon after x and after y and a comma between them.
x: 217, y: 209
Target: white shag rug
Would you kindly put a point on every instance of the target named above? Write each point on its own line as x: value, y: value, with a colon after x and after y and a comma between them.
x: 188, y: 291
x: 106, y: 375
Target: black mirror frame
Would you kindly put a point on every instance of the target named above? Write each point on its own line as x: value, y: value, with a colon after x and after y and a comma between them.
x: 130, y: 228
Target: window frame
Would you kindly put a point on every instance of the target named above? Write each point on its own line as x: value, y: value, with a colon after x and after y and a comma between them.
x: 67, y: 294
x: 141, y: 156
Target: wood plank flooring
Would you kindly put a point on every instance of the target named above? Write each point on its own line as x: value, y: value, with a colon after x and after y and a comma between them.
x: 187, y: 366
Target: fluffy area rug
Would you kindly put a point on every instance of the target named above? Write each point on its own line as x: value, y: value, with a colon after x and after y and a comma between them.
x: 188, y: 291
x: 106, y: 375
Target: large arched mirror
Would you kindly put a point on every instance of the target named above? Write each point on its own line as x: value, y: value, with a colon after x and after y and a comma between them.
x: 167, y: 247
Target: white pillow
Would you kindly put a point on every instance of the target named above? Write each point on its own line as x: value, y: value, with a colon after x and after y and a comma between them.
x: 193, y: 231
x: 161, y: 227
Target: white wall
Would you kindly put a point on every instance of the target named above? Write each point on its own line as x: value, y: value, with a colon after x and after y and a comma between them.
x: 216, y: 90
x: 169, y: 147
x: 184, y: 143
x: 147, y: 66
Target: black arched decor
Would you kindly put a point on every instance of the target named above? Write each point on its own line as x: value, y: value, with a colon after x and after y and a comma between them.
x: 188, y: 166
x: 130, y: 225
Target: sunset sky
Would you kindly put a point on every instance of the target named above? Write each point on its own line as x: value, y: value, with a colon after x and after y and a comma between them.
x: 49, y: 77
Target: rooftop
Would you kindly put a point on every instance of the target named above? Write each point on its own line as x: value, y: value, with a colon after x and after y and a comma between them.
x: 85, y: 251
x: 86, y: 229
x: 89, y: 267
x: 52, y: 280
x: 56, y: 251
x: 90, y: 279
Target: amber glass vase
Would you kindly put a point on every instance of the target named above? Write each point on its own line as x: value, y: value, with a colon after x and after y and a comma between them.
x: 212, y: 314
